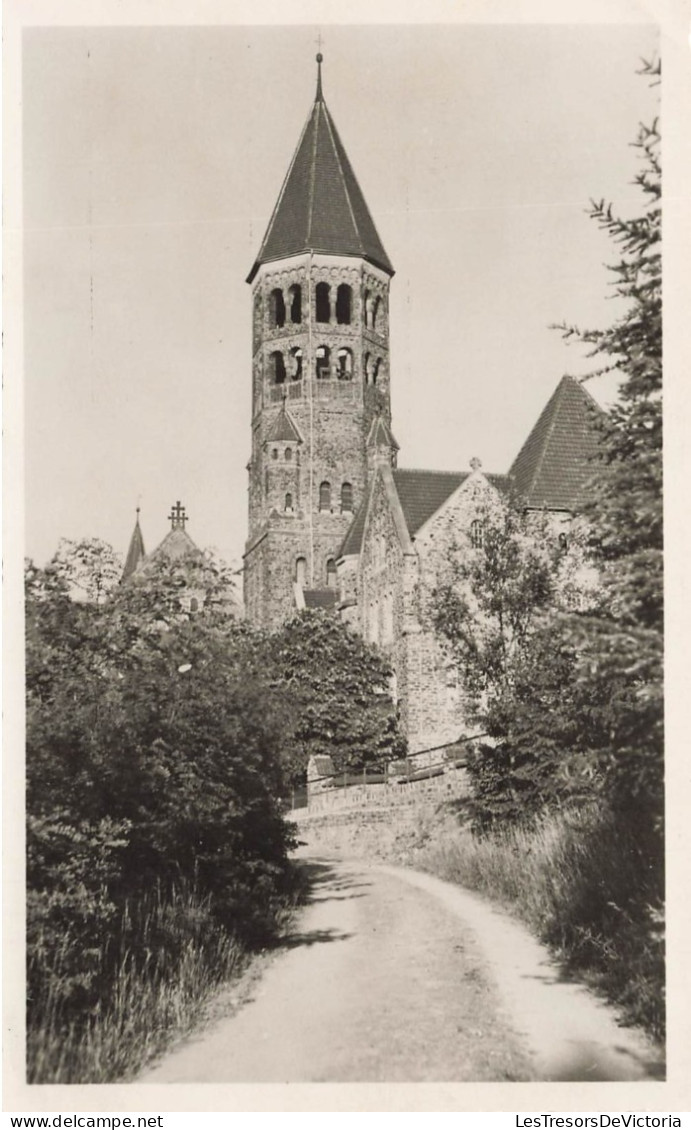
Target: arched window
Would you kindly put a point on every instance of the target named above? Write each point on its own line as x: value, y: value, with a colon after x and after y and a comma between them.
x: 288, y: 455
x: 331, y: 573
x: 296, y: 357
x: 278, y: 307
x: 288, y: 502
x: 194, y: 604
x: 376, y: 311
x: 477, y: 534
x: 323, y: 362
x: 344, y: 363
x: 274, y: 453
x: 367, y: 303
x: 325, y: 496
x: 375, y: 370
x: 343, y: 303
x: 301, y: 571
x: 347, y: 497
x: 278, y: 368
x: 367, y: 366
x: 295, y: 295
x: 323, y: 302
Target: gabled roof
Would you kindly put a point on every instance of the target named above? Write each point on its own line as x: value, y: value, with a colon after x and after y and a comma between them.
x: 421, y: 493
x: 321, y: 206
x: 136, y: 552
x: 320, y: 598
x: 284, y: 428
x: 553, y: 466
x: 176, y: 544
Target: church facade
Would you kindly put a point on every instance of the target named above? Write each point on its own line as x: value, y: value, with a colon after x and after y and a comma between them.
x: 334, y: 523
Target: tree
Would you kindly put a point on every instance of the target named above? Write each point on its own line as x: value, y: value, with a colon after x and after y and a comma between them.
x: 498, y: 609
x: 90, y: 568
x: 153, y: 750
x: 335, y: 692
x: 622, y: 647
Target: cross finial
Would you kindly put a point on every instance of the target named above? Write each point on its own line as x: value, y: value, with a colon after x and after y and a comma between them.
x: 475, y: 463
x: 177, y: 516
x: 320, y: 60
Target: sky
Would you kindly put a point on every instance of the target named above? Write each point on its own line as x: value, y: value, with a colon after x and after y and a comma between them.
x: 152, y: 159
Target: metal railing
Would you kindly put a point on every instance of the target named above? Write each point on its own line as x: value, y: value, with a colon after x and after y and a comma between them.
x: 409, y: 774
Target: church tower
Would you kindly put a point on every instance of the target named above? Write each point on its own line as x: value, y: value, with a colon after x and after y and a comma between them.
x: 320, y: 372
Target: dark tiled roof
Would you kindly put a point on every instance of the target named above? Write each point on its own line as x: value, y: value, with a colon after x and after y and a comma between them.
x: 284, y: 428
x: 135, y: 553
x: 553, y: 466
x: 421, y: 493
x: 353, y: 539
x: 320, y: 598
x: 175, y: 545
x: 321, y: 206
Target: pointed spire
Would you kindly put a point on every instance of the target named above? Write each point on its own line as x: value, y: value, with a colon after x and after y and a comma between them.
x: 136, y: 552
x: 321, y: 207
x: 554, y: 465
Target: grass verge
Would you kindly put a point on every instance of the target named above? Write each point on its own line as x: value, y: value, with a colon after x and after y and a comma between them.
x: 584, y: 885
x: 172, y: 957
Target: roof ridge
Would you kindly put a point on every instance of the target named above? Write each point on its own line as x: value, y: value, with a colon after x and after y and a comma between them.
x: 551, y: 424
x: 313, y: 169
x: 286, y: 178
x: 327, y: 119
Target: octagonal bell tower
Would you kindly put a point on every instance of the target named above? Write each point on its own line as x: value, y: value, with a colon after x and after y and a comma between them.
x: 320, y: 371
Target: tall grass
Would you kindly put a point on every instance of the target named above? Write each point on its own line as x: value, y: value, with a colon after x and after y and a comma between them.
x: 583, y: 884
x: 163, y: 961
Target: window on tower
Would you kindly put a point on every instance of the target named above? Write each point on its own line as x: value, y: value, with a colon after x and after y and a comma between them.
x: 289, y: 502
x: 325, y: 496
x: 278, y: 368
x: 367, y: 304
x: 301, y: 571
x: 295, y: 294
x: 375, y: 370
x: 344, y: 360
x: 278, y: 307
x: 376, y: 314
x: 367, y: 366
x: 331, y: 573
x: 343, y: 303
x: 296, y: 357
x: 323, y: 302
x: 347, y: 497
x: 323, y: 362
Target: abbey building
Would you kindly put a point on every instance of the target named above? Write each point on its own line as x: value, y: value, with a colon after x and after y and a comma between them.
x: 334, y: 523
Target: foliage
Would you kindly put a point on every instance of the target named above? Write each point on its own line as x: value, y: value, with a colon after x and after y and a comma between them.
x: 622, y: 648
x: 90, y: 568
x: 152, y: 747
x: 336, y: 694
x: 498, y: 610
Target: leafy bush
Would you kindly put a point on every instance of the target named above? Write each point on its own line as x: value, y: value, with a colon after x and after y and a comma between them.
x: 152, y: 765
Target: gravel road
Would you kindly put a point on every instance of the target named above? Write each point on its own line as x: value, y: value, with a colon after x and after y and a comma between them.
x: 394, y: 976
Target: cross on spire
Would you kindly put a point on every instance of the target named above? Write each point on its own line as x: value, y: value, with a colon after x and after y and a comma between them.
x: 177, y: 516
x: 320, y: 60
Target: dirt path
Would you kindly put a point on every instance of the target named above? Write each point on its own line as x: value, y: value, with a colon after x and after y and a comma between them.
x: 398, y: 977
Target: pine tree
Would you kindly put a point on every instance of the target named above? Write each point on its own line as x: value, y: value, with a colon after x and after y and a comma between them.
x: 622, y: 647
